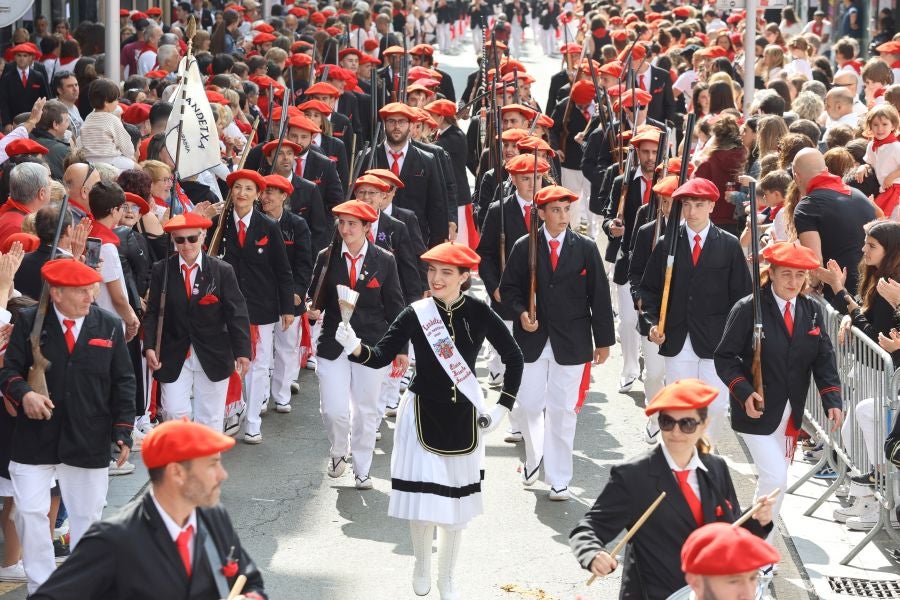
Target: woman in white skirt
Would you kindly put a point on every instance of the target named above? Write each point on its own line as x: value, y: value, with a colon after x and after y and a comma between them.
x: 436, y: 466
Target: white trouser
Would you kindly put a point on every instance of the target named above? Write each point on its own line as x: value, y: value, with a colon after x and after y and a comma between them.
x: 687, y: 365
x: 315, y: 330
x: 477, y: 40
x: 546, y: 406
x: 574, y: 180
x: 348, y: 401
x: 443, y: 36
x: 654, y: 370
x: 548, y: 41
x: 515, y: 40
x: 628, y: 333
x: 287, y: 361
x: 83, y: 492
x: 769, y: 453
x: 389, y: 395
x: 863, y: 416
x: 258, y: 388
x: 209, y: 396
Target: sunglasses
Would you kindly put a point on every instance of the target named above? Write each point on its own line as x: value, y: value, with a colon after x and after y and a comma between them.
x: 186, y: 239
x: 687, y: 424
x: 88, y: 176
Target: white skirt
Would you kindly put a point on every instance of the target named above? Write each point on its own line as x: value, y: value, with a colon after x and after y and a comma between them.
x: 428, y: 487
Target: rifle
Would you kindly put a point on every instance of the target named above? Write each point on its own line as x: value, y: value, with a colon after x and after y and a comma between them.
x: 756, y: 367
x: 333, y: 248
x: 271, y: 98
x: 515, y: 83
x: 404, y: 72
x: 356, y: 163
x: 626, y: 184
x: 564, y: 138
x: 661, y: 152
x: 598, y: 99
x: 533, y: 245
x: 216, y: 240
x: 499, y: 175
x: 373, y: 85
x: 673, y: 225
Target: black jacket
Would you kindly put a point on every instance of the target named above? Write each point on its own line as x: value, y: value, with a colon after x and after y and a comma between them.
x: 446, y: 180
x: 489, y: 248
x: 298, y: 245
x: 28, y: 280
x: 103, y: 564
x: 320, y: 170
x: 334, y: 149
x: 306, y: 201
x: 58, y: 150
x: 573, y: 150
x: 393, y: 236
x: 453, y: 141
x: 15, y: 98
x: 633, y: 201
x: 662, y: 104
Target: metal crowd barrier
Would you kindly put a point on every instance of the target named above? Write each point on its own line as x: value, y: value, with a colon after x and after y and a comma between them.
x: 866, y: 372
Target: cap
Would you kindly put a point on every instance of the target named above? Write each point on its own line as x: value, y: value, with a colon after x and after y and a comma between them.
x: 530, y: 143
x: 269, y: 147
x: 178, y: 441
x: 316, y: 105
x: 25, y: 49
x: 523, y: 77
x: 136, y: 114
x: 29, y: 242
x: 523, y: 164
x: 387, y: 175
x: 356, y: 208
x: 570, y: 49
x: 142, y: 204
x: 279, y: 182
x: 66, y: 272
x: 187, y: 221
x: 422, y: 49
x: 786, y: 254
x: 393, y: 50
x: 673, y: 165
x: 417, y: 87
x: 513, y: 135
x: 263, y: 28
x: 444, y: 108
x: 554, y: 193
x: 24, y: 146
x: 582, y: 92
x: 299, y: 60
x: 305, y: 123
x: 322, y: 88
x: 377, y: 182
x: 651, y: 134
x: 247, y: 174
x: 720, y: 549
x: 544, y: 121
x: 613, y: 69
x: 215, y: 97
x: 683, y: 394
x: 349, y: 51
x: 333, y: 30
x: 697, y: 188
x: 263, y: 38
x: 124, y: 12
x: 397, y: 108
x: 639, y: 52
x: 682, y: 11
x: 154, y: 11
x: 528, y: 112
x: 370, y: 45
x: 451, y: 253
x: 317, y: 18
x: 627, y: 98
x: 137, y: 16
x: 666, y: 186
x: 889, y: 47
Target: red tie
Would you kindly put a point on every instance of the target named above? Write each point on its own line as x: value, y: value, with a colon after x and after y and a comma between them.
x: 24, y: 79
x: 70, y: 337
x: 242, y: 233
x: 696, y: 254
x: 299, y: 172
x: 526, y: 210
x: 641, y: 83
x: 788, y: 319
x: 692, y: 500
x: 182, y: 542
x: 554, y: 253
x: 395, y: 166
x: 352, y: 268
x: 187, y: 277
x: 647, y: 189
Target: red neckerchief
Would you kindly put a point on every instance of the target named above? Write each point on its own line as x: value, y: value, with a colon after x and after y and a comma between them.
x: 876, y: 143
x: 66, y: 61
x: 11, y: 205
x: 827, y: 181
x: 50, y: 56
x: 855, y: 65
x: 895, y: 64
x: 879, y: 93
x: 81, y: 207
x: 774, y: 211
x: 817, y: 28
x: 160, y: 202
x: 186, y: 204
x: 106, y: 235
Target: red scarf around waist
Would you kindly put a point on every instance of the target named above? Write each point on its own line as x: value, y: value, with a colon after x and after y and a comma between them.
x: 827, y: 181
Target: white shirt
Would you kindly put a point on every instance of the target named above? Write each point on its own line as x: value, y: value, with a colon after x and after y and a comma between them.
x: 111, y: 270
x: 194, y: 271
x: 146, y: 62
x: 388, y: 151
x: 374, y: 229
x: 522, y: 204
x: 560, y: 238
x: 245, y: 219
x: 781, y: 302
x: 173, y: 528
x: 885, y: 161
x: 692, y: 234
x: 362, y: 252
x: 24, y: 74
x: 851, y: 119
x: 692, y: 466
x: 801, y: 67
x: 76, y: 328
x: 685, y: 83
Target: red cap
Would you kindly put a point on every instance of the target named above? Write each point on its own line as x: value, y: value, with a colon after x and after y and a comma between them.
x: 450, y: 253
x: 278, y: 182
x: 263, y: 38
x: 142, y: 204
x: 639, y: 52
x: 348, y: 51
x: 698, y: 189
x: 523, y: 164
x: 247, y: 174
x: 215, y: 97
x: 156, y: 74
x: 416, y: 87
x: 617, y: 20
x: 627, y: 98
x: 544, y: 121
x: 317, y: 18
x: 322, y: 88
x: 236, y: 7
x: 735, y: 19
x: 299, y: 12
x: 373, y: 180
x: 370, y: 45
x: 29, y: 242
x: 513, y: 135
x: 300, y: 45
x: 316, y: 105
x: 422, y: 49
x: 620, y: 35
x: 682, y: 11
x: 528, y: 112
x: 26, y: 48
x: 650, y: 134
x: 445, y: 108
x: 136, y: 114
x: 137, y: 16
x: 24, y: 146
x: 263, y: 28
x: 522, y: 75
x: 673, y: 165
x: 154, y: 11
x: 187, y: 221
x: 124, y: 12
x: 333, y: 30
x: 269, y: 147
x: 666, y: 186
x: 299, y: 60
x: 720, y: 549
x: 304, y: 122
x: 889, y: 47
x: 387, y: 175
x: 613, y: 69
x: 554, y: 193
x: 786, y: 254
x: 397, y: 108
x: 570, y: 49
x: 178, y: 441
x: 530, y: 143
x: 712, y: 52
x: 393, y: 50
x: 66, y: 272
x: 582, y: 92
x: 684, y: 394
x: 356, y: 208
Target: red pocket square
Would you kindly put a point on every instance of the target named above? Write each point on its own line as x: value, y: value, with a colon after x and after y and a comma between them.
x: 263, y: 241
x: 208, y: 299
x: 373, y: 283
x: 719, y: 511
x: 332, y: 158
x: 288, y: 242
x: 583, y: 272
x: 317, y: 181
x: 100, y: 342
x: 35, y: 86
x: 814, y: 331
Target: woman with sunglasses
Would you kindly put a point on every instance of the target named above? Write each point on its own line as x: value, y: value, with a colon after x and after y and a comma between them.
x: 698, y: 491
x: 796, y: 347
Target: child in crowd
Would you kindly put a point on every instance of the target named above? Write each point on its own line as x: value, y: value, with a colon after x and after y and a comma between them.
x: 883, y: 157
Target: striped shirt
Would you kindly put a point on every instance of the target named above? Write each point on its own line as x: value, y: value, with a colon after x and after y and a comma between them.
x: 104, y: 136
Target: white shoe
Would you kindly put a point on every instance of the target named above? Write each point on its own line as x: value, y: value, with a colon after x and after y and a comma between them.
x: 407, y: 377
x: 559, y: 495
x: 422, y: 537
x: 651, y: 431
x: 378, y: 434
x: 295, y: 387
x: 513, y: 437
x: 311, y: 363
x: 253, y: 438
x: 865, y: 521
x: 530, y: 478
x: 282, y: 408
x: 264, y: 409
x: 863, y: 505
x: 448, y: 553
x: 137, y: 440
x: 364, y: 482
x: 390, y: 411
x: 625, y: 384
x: 336, y: 466
x: 232, y: 426
x: 14, y: 572
x: 127, y: 468
x: 843, y: 491
x: 495, y: 379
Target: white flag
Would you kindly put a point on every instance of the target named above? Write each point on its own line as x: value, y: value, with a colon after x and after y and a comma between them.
x: 199, y: 137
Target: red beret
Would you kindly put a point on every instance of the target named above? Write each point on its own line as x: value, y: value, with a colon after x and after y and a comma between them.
x: 263, y: 28
x: 263, y: 38
x: 236, y: 7
x: 627, y: 98
x: 299, y: 12
x: 673, y: 165
x: 269, y: 147
x: 450, y: 253
x: 29, y: 242
x: 142, y: 204
x: 124, y: 12
x: 299, y: 60
x: 26, y: 48
x: 735, y: 19
x: 712, y: 52
x: 720, y: 549
x: 554, y: 193
x: 617, y: 20
x: 613, y: 69
x: 24, y: 146
x: 786, y: 254
x: 495, y: 44
x: 619, y: 35
x: 387, y: 175
x: 666, y: 186
x: 417, y: 87
x: 523, y: 76
x: 333, y: 30
x: 582, y: 92
x: 530, y: 143
x: 317, y: 18
x: 889, y: 47
x: 392, y: 50
x: 280, y: 183
x: 528, y: 112
x: 697, y: 188
x: 215, y: 97
x: 348, y: 51
x: 154, y: 11
x: 416, y: 73
x: 156, y: 74
x: 300, y: 44
x: 374, y: 181
x: 137, y: 16
x: 445, y: 108
x: 253, y: 176
x: 422, y: 49
x: 178, y: 441
x: 650, y: 134
x: 513, y: 135
x: 570, y: 49
x: 187, y: 221
x: 66, y: 272
x: 370, y: 45
x: 136, y: 114
x: 304, y: 122
x: 397, y: 108
x: 293, y: 111
x: 684, y: 394
x: 544, y: 121
x: 682, y: 11
x: 355, y: 208
x: 322, y: 89
x: 639, y: 52
x: 316, y: 105
x: 523, y: 164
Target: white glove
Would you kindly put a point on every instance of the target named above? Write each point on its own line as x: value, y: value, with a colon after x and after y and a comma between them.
x: 346, y: 337
x: 494, y: 418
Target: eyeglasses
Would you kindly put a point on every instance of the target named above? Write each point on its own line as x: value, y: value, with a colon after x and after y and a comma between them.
x: 687, y: 424
x: 190, y: 239
x: 396, y: 122
x: 129, y: 208
x: 90, y: 171
x: 169, y: 179
x: 366, y: 193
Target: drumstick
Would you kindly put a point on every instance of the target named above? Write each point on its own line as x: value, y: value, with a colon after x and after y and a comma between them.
x: 756, y: 506
x: 238, y: 586
x: 634, y: 529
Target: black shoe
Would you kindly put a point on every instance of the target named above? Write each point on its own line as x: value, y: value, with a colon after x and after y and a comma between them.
x: 60, y: 549
x: 868, y: 479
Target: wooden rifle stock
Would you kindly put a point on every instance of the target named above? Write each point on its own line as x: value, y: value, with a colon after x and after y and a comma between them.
x: 756, y: 367
x: 623, y: 193
x: 563, y: 139
x: 317, y: 297
x: 533, y: 246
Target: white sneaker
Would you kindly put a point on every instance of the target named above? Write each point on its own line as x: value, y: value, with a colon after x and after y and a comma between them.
x: 253, y: 438
x: 651, y: 431
x: 559, y: 495
x: 282, y: 408
x: 863, y: 505
x: 264, y: 409
x: 363, y: 482
x: 137, y: 440
x: 295, y: 387
x: 336, y: 466
x: 311, y: 363
x: 625, y: 384
x: 14, y: 572
x: 530, y: 478
x: 865, y: 521
x: 513, y: 437
x: 127, y: 468
x: 390, y: 411
x: 495, y: 379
